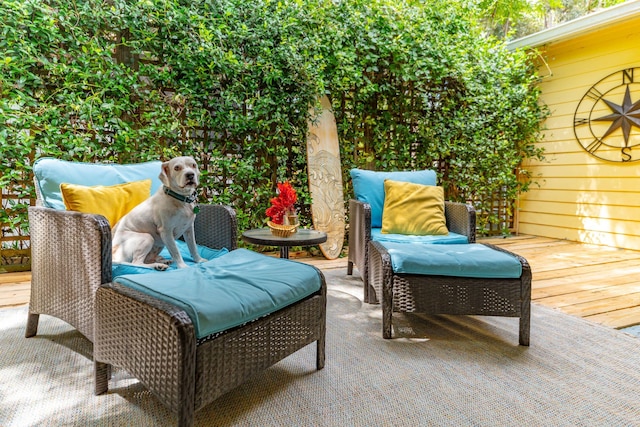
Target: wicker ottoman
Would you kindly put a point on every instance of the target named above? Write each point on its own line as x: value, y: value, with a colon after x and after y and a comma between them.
x: 156, y: 342
x: 450, y: 294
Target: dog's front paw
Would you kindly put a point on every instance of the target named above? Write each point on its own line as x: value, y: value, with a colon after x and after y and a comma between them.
x: 159, y: 266
x: 200, y: 259
x: 161, y: 260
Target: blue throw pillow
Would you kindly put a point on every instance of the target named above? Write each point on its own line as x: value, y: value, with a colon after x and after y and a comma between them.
x: 368, y: 187
x: 50, y: 173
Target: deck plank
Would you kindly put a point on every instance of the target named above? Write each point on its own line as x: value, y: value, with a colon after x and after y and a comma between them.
x: 571, y: 283
x: 15, y: 277
x: 604, y: 305
x: 13, y: 294
x: 618, y: 318
x: 596, y: 268
x: 588, y: 296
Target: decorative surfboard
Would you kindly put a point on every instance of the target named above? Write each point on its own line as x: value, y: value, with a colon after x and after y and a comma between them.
x: 325, y: 180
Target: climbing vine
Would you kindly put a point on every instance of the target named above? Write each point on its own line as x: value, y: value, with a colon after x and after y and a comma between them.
x: 413, y: 84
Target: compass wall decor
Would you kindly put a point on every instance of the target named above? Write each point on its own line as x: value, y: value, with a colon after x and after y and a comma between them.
x: 607, y: 119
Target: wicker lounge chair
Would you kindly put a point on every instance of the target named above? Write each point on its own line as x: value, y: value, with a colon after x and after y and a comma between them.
x: 150, y: 338
x: 460, y: 219
x: 71, y: 258
x: 445, y: 294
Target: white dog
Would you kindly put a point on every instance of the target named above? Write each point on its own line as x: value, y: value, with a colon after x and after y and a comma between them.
x: 141, y: 234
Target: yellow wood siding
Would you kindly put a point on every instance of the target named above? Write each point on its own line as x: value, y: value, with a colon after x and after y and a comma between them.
x: 580, y: 197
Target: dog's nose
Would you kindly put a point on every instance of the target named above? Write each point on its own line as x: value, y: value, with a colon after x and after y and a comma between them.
x: 190, y: 176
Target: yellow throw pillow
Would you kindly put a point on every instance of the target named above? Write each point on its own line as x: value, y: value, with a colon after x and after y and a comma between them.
x: 413, y: 209
x: 113, y: 202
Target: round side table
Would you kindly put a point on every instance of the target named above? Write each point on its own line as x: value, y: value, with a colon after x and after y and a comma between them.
x: 303, y: 237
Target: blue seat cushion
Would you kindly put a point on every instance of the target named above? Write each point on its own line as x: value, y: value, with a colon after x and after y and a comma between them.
x: 230, y: 290
x: 120, y: 269
x: 471, y: 260
x: 368, y: 187
x: 49, y: 173
x: 451, y: 238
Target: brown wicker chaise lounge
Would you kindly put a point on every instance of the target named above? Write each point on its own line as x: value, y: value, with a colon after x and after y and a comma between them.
x: 449, y: 294
x: 149, y: 338
x: 71, y: 258
x: 461, y: 218
x: 365, y: 215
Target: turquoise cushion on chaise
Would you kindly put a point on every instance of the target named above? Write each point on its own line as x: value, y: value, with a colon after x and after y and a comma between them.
x: 120, y: 269
x: 368, y: 187
x: 472, y: 260
x: 451, y: 238
x: 230, y: 290
x: 50, y: 173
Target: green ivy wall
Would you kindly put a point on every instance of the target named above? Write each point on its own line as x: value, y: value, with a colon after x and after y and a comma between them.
x: 413, y: 84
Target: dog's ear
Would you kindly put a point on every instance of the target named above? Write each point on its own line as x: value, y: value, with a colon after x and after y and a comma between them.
x: 164, y: 174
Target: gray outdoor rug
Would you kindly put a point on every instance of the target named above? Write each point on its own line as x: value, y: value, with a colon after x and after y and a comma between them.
x: 442, y: 371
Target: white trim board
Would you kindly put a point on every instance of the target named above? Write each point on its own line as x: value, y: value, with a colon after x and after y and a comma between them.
x: 577, y: 27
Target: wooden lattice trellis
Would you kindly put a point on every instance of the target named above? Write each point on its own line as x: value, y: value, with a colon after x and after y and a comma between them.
x: 503, y: 208
x: 15, y: 248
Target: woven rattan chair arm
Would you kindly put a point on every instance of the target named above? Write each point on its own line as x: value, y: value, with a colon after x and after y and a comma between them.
x: 359, y: 227
x: 359, y: 237
x: 70, y: 258
x: 380, y: 271
x: 63, y: 239
x: 216, y: 226
x: 461, y: 219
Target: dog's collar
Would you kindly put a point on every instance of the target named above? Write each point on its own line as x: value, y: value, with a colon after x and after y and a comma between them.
x: 187, y: 199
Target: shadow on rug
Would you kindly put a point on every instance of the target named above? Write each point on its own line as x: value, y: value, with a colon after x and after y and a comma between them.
x: 441, y: 370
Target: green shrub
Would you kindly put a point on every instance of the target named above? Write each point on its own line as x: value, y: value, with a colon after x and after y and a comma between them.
x: 416, y: 85
x: 231, y: 82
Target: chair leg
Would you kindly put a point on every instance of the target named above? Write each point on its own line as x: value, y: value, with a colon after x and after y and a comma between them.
x: 386, y: 324
x: 320, y: 353
x: 524, y: 332
x: 349, y: 268
x: 525, y: 312
x: 101, y: 372
x: 368, y: 292
x: 32, y: 325
x: 525, y: 325
x: 387, y: 309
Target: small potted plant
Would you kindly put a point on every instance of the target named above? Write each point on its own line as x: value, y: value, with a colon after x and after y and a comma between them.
x: 282, y: 212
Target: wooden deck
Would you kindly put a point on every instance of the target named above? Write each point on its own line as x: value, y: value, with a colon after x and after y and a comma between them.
x: 595, y: 282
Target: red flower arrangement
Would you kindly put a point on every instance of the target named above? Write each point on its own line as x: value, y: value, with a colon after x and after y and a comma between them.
x: 283, y: 203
